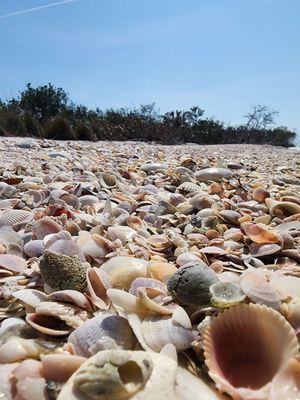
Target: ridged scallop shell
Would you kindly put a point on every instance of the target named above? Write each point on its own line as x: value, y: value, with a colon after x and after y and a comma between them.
x: 158, y: 331
x: 104, y: 331
x: 243, y: 354
x: 189, y: 187
x: 255, y: 285
x: 15, y: 217
x: 31, y: 297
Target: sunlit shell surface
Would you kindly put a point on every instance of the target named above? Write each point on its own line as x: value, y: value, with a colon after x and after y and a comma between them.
x: 243, y: 354
x: 108, y: 247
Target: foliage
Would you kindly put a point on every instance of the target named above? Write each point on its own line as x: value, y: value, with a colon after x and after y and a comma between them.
x: 60, y: 128
x: 46, y: 111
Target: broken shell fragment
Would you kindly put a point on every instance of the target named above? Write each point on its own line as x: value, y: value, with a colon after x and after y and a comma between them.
x: 226, y: 294
x: 109, y: 375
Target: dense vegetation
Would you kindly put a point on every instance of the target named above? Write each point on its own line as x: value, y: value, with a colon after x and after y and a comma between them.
x: 47, y: 112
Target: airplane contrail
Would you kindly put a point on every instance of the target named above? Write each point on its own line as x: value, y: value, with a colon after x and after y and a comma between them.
x: 28, y: 10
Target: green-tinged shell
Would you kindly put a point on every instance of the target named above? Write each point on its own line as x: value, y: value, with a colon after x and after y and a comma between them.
x: 62, y: 272
x: 226, y: 294
x: 190, y: 284
x: 113, y: 374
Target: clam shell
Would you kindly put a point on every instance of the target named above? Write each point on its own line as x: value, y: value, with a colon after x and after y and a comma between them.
x: 123, y: 270
x: 34, y: 248
x: 259, y: 233
x: 189, y: 187
x: 243, y: 354
x: 104, y: 331
x: 48, y: 325
x: 12, y: 263
x: 282, y: 208
x: 158, y: 331
x: 255, y: 285
x: 108, y: 180
x: 213, y: 174
x: 161, y: 270
x: 43, y: 227
x: 71, y: 296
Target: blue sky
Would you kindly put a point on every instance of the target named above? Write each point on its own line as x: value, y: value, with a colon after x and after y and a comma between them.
x: 223, y: 55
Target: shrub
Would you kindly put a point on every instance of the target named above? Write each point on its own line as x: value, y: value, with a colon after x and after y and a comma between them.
x: 85, y: 132
x: 59, y: 128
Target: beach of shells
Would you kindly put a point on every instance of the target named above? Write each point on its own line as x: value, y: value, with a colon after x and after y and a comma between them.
x: 141, y: 271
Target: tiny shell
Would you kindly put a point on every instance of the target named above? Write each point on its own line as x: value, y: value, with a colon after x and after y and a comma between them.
x: 226, y: 294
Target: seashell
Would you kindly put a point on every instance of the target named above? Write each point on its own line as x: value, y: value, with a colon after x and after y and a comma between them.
x: 88, y: 200
x: 62, y: 272
x: 5, y: 380
x: 104, y: 331
x: 288, y: 227
x: 190, y: 284
x: 282, y: 209
x: 109, y: 375
x: 122, y: 233
x: 15, y: 217
x: 108, y: 180
x: 153, y: 167
x: 34, y: 248
x: 152, y: 307
x: 30, y: 297
x: 52, y: 238
x: 255, y: 285
x: 226, y: 294
x: 9, y: 236
x: 259, y: 233
x: 17, y: 348
x: 200, y: 201
x: 98, y: 282
x: 158, y: 242
x: 262, y: 250
x: 70, y: 199
x: 126, y: 301
x: 12, y: 263
x: 158, y: 331
x: 43, y: 227
x: 189, y: 187
x: 154, y: 287
x: 123, y: 270
x: 48, y: 325
x: 66, y: 247
x: 71, y: 296
x: 291, y: 311
x: 260, y: 194
x: 186, y: 258
x: 243, y: 354
x: 59, y: 367
x: 286, y: 384
x: 161, y: 270
x: 213, y: 174
x: 213, y: 250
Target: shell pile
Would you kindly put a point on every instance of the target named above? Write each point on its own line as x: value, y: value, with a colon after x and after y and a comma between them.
x: 138, y: 271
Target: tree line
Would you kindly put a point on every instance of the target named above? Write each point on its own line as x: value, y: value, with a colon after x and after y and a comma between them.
x: 47, y: 112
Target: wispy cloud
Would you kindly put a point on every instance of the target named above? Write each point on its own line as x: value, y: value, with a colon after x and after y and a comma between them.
x: 29, y: 10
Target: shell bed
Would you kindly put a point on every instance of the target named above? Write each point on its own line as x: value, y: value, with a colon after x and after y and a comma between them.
x: 144, y: 272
